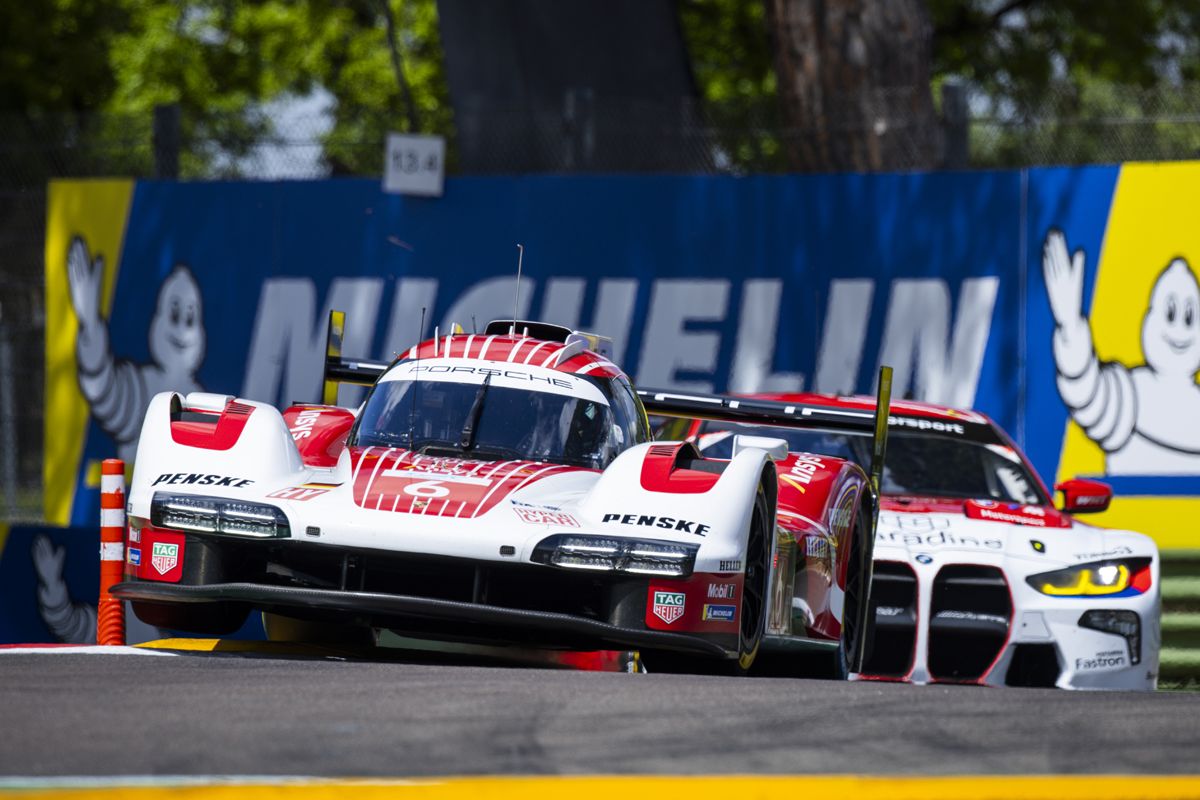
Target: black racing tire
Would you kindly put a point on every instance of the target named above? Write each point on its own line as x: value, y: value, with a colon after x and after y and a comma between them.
x: 856, y: 595
x: 214, y: 619
x: 837, y: 666
x: 281, y: 628
x: 755, y: 585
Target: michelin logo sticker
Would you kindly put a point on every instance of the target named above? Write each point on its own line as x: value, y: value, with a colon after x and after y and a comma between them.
x: 716, y: 613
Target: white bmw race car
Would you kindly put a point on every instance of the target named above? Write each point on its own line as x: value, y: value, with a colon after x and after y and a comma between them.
x: 501, y: 488
x: 979, y: 577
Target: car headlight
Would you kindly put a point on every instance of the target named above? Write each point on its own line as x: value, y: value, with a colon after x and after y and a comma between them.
x: 638, y: 556
x: 1119, y: 578
x: 199, y: 514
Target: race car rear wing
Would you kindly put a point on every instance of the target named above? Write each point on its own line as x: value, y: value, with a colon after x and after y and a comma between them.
x: 723, y: 408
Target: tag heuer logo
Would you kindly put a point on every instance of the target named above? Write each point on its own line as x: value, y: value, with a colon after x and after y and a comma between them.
x: 668, y: 606
x: 164, y: 557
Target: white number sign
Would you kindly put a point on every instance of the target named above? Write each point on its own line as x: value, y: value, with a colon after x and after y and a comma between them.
x: 414, y: 165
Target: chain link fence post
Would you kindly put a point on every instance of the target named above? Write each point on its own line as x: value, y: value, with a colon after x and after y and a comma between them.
x: 955, y: 125
x: 167, y: 141
x: 579, y: 128
x: 8, y: 422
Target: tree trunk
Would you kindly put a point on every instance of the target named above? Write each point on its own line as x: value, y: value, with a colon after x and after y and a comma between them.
x: 854, y: 83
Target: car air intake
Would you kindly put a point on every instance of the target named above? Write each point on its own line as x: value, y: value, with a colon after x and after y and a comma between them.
x: 894, y: 605
x: 1033, y: 665
x: 968, y: 621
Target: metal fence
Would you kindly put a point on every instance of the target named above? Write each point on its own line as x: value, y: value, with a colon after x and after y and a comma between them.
x: 582, y: 134
x: 1088, y: 126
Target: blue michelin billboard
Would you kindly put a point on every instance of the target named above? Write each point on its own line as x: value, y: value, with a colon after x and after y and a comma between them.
x: 1060, y: 302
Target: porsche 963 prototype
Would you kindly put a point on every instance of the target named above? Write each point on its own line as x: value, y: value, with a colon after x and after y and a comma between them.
x: 497, y: 488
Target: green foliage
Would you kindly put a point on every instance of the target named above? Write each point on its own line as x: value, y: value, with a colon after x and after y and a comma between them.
x: 727, y: 41
x: 1074, y: 81
x: 1020, y: 51
x: 222, y: 61
x: 1094, y: 121
x: 54, y: 54
x: 356, y: 67
x: 1049, y: 74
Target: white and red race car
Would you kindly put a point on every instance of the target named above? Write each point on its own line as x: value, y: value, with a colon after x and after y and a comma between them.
x: 978, y: 576
x: 501, y: 487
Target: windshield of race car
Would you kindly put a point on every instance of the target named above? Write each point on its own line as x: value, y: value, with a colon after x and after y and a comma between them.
x: 917, y: 464
x: 499, y: 421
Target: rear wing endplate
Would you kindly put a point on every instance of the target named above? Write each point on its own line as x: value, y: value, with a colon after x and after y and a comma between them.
x: 339, y: 370
x: 786, y: 415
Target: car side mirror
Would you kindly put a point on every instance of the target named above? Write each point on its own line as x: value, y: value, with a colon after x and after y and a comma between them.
x: 777, y: 449
x: 1081, y: 496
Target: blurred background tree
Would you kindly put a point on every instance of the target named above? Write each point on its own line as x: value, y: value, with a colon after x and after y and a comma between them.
x: 1074, y: 81
x: 233, y: 69
x: 854, y: 80
x: 778, y: 78
x: 1050, y: 77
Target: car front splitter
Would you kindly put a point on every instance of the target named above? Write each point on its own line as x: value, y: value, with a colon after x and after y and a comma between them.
x: 425, y: 608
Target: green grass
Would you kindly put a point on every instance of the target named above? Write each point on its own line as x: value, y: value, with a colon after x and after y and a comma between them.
x: 1181, y: 631
x: 1180, y: 664
x: 1179, y: 668
x: 1181, y: 589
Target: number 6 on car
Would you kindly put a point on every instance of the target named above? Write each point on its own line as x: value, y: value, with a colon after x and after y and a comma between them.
x: 426, y: 489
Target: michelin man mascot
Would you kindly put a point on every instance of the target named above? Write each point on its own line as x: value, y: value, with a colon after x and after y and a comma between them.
x: 1145, y: 417
x: 118, y: 391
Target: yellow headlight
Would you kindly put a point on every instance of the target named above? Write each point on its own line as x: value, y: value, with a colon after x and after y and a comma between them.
x: 1075, y: 581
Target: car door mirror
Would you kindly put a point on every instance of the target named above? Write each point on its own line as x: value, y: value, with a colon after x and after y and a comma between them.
x: 1081, y: 496
x: 777, y: 449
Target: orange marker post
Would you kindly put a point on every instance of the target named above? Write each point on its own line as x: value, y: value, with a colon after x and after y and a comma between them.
x: 110, y: 619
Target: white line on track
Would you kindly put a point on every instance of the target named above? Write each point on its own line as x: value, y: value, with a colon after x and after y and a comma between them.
x: 85, y: 649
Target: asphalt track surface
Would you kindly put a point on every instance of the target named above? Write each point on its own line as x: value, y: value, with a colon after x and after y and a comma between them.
x: 69, y: 715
